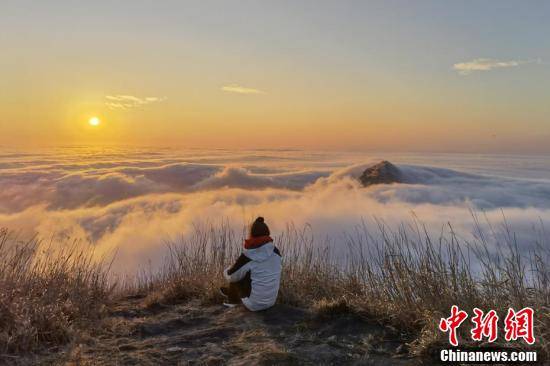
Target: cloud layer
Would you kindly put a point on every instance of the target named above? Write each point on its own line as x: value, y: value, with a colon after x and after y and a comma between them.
x: 129, y: 101
x: 236, y: 88
x: 487, y: 64
x: 131, y: 201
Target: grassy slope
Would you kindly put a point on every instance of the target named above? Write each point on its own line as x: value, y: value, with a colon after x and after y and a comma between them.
x: 405, y: 281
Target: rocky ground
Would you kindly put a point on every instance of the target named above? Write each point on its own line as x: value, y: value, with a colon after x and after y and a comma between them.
x: 194, y: 334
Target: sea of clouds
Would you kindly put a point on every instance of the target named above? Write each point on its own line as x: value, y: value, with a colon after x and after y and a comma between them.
x: 130, y: 201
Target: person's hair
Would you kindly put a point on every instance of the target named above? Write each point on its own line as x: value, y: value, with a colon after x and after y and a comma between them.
x: 259, y: 228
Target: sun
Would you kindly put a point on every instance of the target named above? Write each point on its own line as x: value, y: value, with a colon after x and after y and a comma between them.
x: 94, y: 121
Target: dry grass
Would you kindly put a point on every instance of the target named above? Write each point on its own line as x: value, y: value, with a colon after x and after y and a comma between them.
x: 193, y: 268
x: 402, y: 277
x: 46, y: 298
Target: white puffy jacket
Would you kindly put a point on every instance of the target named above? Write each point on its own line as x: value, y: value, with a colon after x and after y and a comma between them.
x: 264, y: 265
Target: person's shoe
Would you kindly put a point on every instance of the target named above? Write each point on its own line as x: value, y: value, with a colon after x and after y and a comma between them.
x: 223, y: 292
x: 228, y: 302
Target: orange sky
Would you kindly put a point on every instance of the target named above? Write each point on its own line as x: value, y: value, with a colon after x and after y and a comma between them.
x: 301, y: 76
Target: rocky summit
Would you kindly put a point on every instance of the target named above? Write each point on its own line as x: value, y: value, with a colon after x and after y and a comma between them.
x: 383, y: 172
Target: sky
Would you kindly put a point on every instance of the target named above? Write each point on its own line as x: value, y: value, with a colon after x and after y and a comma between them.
x: 468, y: 76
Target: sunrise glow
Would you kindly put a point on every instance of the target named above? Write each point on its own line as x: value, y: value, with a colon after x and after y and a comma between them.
x: 185, y: 181
x: 94, y: 121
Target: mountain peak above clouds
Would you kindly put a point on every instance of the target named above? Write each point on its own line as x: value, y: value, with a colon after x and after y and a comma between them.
x: 383, y: 172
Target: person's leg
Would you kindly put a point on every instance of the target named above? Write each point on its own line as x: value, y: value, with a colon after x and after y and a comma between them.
x: 245, y: 286
x: 237, y: 290
x: 232, y: 292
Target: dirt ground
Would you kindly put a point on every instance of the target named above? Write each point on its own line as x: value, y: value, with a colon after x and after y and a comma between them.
x: 194, y: 334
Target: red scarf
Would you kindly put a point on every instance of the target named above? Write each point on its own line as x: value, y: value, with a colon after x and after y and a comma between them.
x: 256, y: 242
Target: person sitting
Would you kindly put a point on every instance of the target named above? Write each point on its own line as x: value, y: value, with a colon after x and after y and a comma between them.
x: 255, y: 277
